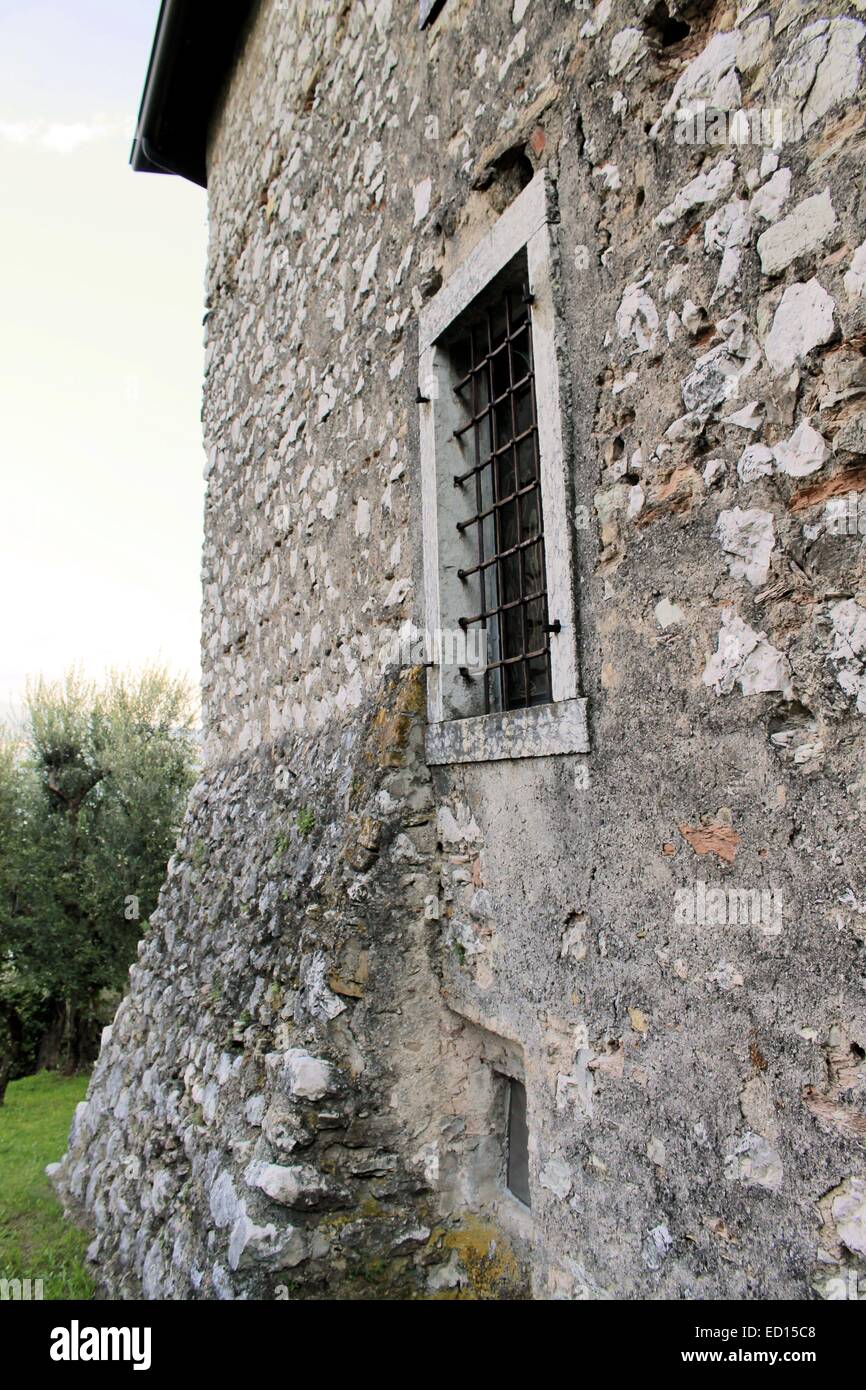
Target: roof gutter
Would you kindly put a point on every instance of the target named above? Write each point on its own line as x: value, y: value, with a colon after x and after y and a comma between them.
x: 193, y: 51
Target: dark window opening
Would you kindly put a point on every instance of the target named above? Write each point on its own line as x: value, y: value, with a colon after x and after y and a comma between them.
x: 502, y: 489
x: 517, y: 1163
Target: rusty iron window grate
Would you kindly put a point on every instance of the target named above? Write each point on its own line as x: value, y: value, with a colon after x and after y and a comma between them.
x: 502, y: 485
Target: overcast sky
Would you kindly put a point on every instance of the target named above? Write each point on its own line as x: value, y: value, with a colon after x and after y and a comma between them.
x: 101, y: 290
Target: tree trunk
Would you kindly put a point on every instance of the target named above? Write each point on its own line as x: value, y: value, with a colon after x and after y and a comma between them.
x: 10, y: 1038
x: 70, y: 1042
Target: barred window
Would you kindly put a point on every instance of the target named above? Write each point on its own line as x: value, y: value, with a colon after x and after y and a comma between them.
x: 499, y: 587
x: 501, y: 488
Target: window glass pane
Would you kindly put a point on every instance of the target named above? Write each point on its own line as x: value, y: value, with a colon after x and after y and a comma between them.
x: 518, y: 1142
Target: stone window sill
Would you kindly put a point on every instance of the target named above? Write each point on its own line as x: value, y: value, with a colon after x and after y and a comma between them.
x: 539, y: 732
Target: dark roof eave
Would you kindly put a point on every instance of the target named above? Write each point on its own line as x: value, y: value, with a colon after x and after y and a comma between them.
x: 145, y: 159
x: 193, y: 50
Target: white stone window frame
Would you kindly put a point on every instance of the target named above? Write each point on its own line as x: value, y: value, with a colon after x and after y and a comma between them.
x: 559, y: 727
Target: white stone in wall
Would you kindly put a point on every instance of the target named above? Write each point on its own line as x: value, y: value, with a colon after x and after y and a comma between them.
x: 754, y: 1161
x: 254, y: 1110
x: 769, y: 200
x: 748, y: 418
x: 328, y: 398
x: 626, y: 47
x: 636, y: 500
x: 849, y: 650
x: 769, y: 164
x: 515, y: 50
x: 802, y: 454
x: 372, y: 160
x: 623, y: 383
x: 849, y: 1214
x: 328, y: 504
x: 368, y: 273
x: 597, y: 20
x: 733, y: 216
x: 362, y: 518
x: 747, y: 538
x: 421, y: 197
x: 752, y: 45
x: 656, y: 1246
x: 855, y: 276
x: 307, y: 1077
x: 292, y: 1186
x: 224, y: 1203
x: 556, y: 1177
x: 688, y: 426
x: 250, y: 1244
x: 821, y: 70
x: 746, y: 8
x: 398, y: 592
x: 744, y: 657
x: 675, y: 282
x: 668, y: 614
x: 710, y: 80
x: 637, y: 316
x: 609, y: 173
x: 803, y: 321
x: 728, y: 230
x: 693, y: 316
x: 717, y: 374
x: 805, y: 229
x: 705, y: 188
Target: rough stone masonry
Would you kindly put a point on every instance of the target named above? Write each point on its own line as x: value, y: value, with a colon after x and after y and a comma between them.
x: 302, y: 1094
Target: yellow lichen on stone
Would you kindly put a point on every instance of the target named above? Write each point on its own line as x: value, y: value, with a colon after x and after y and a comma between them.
x: 389, y: 734
x: 490, y: 1265
x: 411, y: 696
x: 391, y: 724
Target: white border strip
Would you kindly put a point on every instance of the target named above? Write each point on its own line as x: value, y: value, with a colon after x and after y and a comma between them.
x: 517, y: 225
x: 558, y: 535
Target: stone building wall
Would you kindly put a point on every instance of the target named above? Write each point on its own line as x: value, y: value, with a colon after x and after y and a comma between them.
x: 665, y: 937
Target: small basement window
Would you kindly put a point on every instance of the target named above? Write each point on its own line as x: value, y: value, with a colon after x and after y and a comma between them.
x: 498, y: 563
x: 517, y: 1156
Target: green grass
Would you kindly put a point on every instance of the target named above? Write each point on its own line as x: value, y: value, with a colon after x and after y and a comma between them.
x: 35, y: 1240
